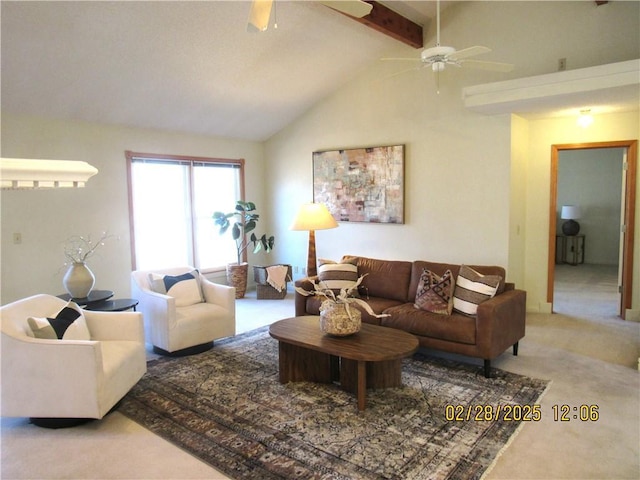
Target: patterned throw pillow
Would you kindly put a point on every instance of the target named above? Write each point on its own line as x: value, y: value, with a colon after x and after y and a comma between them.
x: 434, y: 293
x: 337, y: 276
x: 473, y: 288
x: 68, y: 324
x: 184, y: 288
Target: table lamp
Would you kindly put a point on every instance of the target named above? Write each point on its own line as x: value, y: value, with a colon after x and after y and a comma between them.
x: 312, y: 217
x: 570, y: 213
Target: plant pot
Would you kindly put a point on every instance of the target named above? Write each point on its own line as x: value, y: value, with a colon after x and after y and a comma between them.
x: 237, y: 277
x: 78, y: 280
x: 336, y: 320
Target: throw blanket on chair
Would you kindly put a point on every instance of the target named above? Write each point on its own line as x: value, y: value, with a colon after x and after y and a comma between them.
x: 277, y: 276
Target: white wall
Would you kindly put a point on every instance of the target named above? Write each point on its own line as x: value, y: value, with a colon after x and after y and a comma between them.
x: 477, y: 187
x: 46, y: 218
x: 457, y: 174
x: 592, y: 179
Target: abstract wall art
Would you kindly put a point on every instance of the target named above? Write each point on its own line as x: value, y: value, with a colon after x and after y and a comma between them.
x: 361, y: 184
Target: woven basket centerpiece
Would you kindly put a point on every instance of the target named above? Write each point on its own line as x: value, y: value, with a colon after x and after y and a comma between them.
x: 336, y: 320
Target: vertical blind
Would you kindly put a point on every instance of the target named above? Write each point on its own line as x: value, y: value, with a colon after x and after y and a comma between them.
x: 172, y: 203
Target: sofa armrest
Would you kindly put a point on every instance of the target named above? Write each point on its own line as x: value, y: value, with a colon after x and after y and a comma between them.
x: 500, y: 322
x: 301, y: 300
x: 115, y: 325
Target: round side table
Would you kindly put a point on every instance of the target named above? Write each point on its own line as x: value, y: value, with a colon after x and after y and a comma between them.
x: 93, y: 297
x: 117, y: 305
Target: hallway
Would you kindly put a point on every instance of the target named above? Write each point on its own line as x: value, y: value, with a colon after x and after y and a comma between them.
x: 586, y: 290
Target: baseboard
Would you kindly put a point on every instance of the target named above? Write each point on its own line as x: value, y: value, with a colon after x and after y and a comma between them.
x: 540, y: 307
x: 632, y: 315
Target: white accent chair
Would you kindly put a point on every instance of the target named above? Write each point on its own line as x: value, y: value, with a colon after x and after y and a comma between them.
x: 65, y: 382
x: 186, y: 330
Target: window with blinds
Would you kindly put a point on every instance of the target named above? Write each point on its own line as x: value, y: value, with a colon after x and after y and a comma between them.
x: 172, y: 200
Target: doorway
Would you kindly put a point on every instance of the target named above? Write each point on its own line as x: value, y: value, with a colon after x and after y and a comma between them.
x: 628, y: 182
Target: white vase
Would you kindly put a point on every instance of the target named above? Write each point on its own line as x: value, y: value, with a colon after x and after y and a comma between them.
x: 335, y: 320
x: 78, y: 280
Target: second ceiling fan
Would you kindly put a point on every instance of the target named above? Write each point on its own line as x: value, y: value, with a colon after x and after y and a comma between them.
x: 440, y: 56
x: 260, y: 12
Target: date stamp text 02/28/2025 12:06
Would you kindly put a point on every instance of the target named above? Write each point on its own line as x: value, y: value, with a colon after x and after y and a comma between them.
x: 519, y: 413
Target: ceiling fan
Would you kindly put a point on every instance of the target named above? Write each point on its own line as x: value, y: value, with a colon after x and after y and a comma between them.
x: 440, y: 56
x: 260, y: 12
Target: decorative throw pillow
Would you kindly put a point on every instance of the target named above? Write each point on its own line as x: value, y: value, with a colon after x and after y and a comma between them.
x: 337, y: 276
x: 184, y: 288
x: 435, y: 293
x: 68, y: 324
x: 473, y: 288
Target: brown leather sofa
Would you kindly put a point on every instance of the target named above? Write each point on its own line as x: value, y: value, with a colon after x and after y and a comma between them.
x: 390, y: 287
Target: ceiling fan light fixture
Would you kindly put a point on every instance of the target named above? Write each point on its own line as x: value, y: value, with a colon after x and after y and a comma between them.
x: 429, y: 54
x: 259, y: 15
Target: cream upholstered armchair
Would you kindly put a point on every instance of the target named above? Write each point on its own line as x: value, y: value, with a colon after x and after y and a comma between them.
x: 183, y: 317
x: 62, y: 382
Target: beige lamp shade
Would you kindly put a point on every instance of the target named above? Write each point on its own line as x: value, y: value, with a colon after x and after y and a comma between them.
x: 19, y: 173
x: 311, y: 217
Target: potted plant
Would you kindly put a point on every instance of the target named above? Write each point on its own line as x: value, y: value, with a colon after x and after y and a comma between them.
x: 337, y: 313
x: 242, y: 221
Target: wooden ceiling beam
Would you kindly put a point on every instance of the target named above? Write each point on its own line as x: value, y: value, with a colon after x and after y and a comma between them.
x: 385, y: 20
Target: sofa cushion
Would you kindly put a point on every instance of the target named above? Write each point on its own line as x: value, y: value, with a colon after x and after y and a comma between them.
x: 440, y: 268
x: 473, y: 288
x: 453, y: 328
x: 337, y: 276
x: 384, y: 278
x: 435, y: 293
x: 184, y: 288
x: 68, y: 324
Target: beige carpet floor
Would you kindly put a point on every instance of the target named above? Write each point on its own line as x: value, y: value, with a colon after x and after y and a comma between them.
x: 590, y: 355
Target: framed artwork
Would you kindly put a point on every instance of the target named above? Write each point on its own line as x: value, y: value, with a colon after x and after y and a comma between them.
x: 361, y: 184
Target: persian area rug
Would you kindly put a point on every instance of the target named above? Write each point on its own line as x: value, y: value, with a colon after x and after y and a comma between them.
x: 227, y: 408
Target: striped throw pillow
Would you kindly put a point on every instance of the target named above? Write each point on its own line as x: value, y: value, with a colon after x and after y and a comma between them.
x: 337, y: 276
x: 473, y: 288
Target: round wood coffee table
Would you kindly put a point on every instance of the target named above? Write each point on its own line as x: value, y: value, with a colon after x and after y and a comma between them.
x: 370, y: 358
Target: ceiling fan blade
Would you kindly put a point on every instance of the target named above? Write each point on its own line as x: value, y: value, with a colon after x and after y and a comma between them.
x: 259, y: 15
x: 353, y: 8
x: 402, y: 72
x: 493, y: 66
x: 468, y: 52
x: 401, y: 59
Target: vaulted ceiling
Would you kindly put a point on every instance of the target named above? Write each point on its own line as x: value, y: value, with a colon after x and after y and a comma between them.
x: 183, y: 66
x: 190, y: 66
